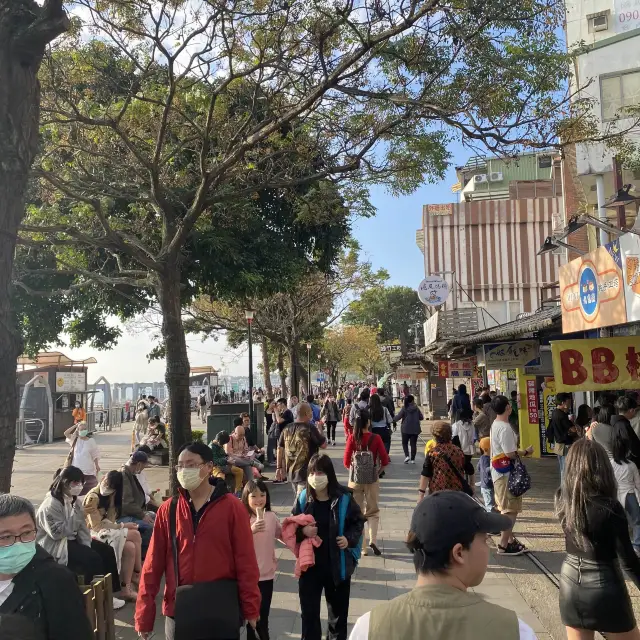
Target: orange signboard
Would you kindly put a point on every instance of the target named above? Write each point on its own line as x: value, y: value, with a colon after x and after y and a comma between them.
x: 591, y: 290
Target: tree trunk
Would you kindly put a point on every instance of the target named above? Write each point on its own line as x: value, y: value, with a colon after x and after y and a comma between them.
x: 266, y: 369
x: 21, y: 51
x: 177, y: 367
x: 283, y: 373
x: 294, y: 374
x: 304, y: 379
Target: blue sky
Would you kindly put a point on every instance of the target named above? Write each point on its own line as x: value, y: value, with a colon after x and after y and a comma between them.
x: 389, y: 239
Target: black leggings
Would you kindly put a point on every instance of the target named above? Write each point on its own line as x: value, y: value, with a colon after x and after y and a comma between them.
x: 312, y: 583
x: 331, y: 429
x: 96, y: 560
x: 410, y: 438
x: 266, y: 591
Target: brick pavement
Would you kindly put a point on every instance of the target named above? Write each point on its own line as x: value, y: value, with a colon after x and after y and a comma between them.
x: 377, y: 578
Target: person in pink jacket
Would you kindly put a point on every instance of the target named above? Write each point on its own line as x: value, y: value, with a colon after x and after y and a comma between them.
x: 266, y: 530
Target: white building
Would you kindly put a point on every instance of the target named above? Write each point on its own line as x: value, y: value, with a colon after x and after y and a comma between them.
x: 610, y: 72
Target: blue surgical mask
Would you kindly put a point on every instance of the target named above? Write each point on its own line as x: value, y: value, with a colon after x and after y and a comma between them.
x: 83, y: 433
x: 15, y: 558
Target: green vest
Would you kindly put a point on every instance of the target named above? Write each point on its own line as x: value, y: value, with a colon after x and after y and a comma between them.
x: 440, y: 612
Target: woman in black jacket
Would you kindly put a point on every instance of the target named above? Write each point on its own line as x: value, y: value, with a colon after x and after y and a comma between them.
x: 339, y: 524
x: 42, y: 590
x: 593, y: 593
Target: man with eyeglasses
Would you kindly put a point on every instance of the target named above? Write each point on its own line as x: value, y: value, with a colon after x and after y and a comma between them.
x: 214, y: 544
x: 32, y: 583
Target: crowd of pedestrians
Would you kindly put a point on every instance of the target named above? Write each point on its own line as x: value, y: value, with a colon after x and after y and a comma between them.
x: 212, y: 547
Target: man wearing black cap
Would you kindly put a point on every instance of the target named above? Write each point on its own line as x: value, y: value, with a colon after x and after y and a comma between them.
x: 448, y: 539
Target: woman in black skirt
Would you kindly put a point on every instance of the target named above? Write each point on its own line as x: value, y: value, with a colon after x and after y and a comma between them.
x: 593, y: 594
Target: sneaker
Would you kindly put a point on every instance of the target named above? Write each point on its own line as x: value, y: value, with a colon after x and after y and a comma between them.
x: 512, y: 549
x: 407, y: 460
x: 334, y: 443
x: 118, y: 604
x: 375, y: 548
x: 413, y: 461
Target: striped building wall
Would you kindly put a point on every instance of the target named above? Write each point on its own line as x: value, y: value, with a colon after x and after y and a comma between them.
x: 491, y: 245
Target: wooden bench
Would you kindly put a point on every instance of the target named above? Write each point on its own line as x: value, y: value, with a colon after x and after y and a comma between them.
x: 98, y: 602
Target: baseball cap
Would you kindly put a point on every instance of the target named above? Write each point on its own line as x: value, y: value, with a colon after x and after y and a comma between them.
x: 139, y: 456
x: 442, y: 519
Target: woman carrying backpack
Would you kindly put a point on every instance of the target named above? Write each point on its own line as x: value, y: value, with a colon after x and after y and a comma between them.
x: 366, y: 457
x: 339, y: 525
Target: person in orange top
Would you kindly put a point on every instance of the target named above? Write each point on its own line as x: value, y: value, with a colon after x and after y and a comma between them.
x: 79, y: 414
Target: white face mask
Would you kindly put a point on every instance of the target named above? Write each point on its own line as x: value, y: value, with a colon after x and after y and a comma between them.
x: 107, y: 492
x: 75, y: 489
x: 318, y: 482
x: 189, y: 479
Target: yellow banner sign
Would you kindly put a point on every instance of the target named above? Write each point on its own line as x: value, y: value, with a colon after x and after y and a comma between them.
x: 597, y: 365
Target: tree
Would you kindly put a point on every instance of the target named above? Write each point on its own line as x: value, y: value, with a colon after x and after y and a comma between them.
x: 26, y: 29
x: 392, y: 311
x: 293, y: 317
x: 184, y: 110
x: 348, y: 348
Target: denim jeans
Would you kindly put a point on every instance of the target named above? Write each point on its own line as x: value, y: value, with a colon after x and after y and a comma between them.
x: 489, y: 500
x: 561, y: 462
x: 633, y: 511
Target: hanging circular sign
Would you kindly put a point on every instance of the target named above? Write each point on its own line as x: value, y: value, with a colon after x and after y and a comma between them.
x: 433, y: 291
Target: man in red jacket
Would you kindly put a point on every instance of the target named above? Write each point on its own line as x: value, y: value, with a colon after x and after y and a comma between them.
x: 214, y: 543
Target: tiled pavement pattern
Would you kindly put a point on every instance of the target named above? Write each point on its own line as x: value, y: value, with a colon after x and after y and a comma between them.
x: 376, y: 579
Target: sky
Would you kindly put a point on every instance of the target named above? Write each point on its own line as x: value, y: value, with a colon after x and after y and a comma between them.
x: 388, y: 240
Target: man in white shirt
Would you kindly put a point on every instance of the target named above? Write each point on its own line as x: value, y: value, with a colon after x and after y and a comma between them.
x: 448, y: 538
x: 504, y: 450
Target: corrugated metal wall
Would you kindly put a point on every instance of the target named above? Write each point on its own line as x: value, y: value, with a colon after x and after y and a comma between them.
x: 492, y: 246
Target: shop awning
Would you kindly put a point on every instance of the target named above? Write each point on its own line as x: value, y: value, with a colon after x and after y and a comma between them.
x: 536, y: 321
x: 53, y: 359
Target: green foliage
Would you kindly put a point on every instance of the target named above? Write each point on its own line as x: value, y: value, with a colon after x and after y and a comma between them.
x: 197, y: 435
x: 392, y: 311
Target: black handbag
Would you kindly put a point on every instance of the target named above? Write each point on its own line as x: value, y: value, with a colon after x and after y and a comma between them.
x: 204, y: 610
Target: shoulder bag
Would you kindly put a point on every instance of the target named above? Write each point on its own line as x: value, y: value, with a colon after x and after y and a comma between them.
x: 204, y: 610
x: 465, y: 485
x: 519, y: 479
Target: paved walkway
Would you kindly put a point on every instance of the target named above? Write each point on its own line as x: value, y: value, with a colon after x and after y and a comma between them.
x: 377, y: 579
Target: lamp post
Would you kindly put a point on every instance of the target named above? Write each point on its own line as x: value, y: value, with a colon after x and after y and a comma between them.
x: 248, y: 314
x: 309, y: 367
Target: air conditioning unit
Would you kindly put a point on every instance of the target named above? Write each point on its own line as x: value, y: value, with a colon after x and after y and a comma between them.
x: 480, y: 178
x: 495, y: 176
x: 600, y: 23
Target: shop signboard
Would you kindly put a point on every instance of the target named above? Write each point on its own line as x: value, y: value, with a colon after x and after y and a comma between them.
x: 457, y: 368
x: 506, y: 355
x: 600, y: 364
x: 532, y: 401
x: 630, y: 252
x: 547, y: 406
x: 591, y: 290
x: 445, y: 209
x: 389, y: 348
x: 404, y: 374
x: 433, y: 291
x: 71, y: 381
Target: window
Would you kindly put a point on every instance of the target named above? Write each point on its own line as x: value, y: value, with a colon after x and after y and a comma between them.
x: 544, y: 162
x: 598, y: 22
x: 619, y: 91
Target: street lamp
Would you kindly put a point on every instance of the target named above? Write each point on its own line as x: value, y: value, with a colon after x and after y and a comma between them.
x: 248, y: 314
x: 308, y: 367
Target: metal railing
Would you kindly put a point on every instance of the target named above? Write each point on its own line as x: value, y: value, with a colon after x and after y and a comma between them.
x: 29, y: 432
x: 104, y: 419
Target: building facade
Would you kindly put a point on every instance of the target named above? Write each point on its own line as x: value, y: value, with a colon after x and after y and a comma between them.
x: 486, y: 244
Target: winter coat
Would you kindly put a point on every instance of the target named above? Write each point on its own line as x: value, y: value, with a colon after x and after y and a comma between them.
x: 303, y: 551
x: 355, y: 411
x: 411, y: 417
x: 134, y: 499
x: 47, y: 593
x: 220, y: 549
x: 354, y: 524
x: 460, y: 402
x: 330, y: 412
x: 387, y: 401
x: 56, y: 522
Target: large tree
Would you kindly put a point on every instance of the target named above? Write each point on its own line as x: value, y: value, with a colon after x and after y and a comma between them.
x: 182, y: 108
x: 26, y: 29
x: 392, y: 311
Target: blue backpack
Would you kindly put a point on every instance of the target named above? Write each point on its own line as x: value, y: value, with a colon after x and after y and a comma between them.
x: 343, y: 506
